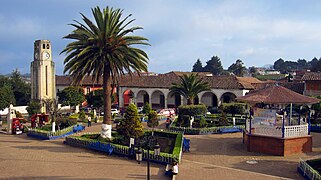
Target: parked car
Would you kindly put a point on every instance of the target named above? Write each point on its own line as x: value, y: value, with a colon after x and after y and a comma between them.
x: 114, y: 111
x: 140, y: 110
x: 166, y: 112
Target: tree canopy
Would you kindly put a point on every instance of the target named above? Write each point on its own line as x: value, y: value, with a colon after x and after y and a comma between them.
x: 189, y: 87
x: 214, y: 66
x: 71, y: 96
x: 237, y: 68
x: 198, y: 67
x: 104, y: 48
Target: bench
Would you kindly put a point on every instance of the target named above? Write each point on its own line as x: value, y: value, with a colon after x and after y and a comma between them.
x: 186, y: 145
x: 78, y: 128
x: 229, y: 130
x: 107, y: 148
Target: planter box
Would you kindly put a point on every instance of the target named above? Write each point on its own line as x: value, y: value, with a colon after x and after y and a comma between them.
x: 163, y: 158
x: 45, y: 135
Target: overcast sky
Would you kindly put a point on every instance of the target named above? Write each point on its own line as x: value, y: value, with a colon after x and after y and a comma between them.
x: 180, y: 31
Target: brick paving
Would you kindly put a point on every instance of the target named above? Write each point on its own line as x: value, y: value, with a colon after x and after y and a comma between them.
x: 211, y: 157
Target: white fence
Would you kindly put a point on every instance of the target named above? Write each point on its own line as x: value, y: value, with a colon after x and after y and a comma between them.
x: 276, y: 131
x: 296, y: 131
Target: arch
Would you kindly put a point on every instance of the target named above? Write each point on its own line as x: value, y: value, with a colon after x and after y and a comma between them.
x: 209, y: 99
x: 128, y: 97
x: 157, y: 100
x: 173, y: 101
x: 142, y: 98
x: 228, y: 97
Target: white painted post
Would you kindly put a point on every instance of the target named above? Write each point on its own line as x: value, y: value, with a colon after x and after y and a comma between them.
x: 233, y: 121
x: 191, y: 122
x: 53, y: 127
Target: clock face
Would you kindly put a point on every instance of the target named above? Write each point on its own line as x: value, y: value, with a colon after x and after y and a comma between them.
x: 45, y: 55
x: 36, y: 56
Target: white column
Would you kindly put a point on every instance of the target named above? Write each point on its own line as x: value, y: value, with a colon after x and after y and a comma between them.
x: 121, y: 98
x: 165, y: 99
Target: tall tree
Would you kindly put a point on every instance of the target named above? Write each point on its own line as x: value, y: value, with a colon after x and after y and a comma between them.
x: 313, y: 62
x: 95, y: 98
x: 198, y: 67
x: 6, y: 97
x: 21, y: 90
x: 34, y: 107
x: 279, y: 64
x: 252, y: 70
x: 104, y: 48
x: 237, y: 68
x: 302, y: 64
x: 214, y: 66
x: 71, y: 96
x: 317, y: 66
x: 189, y: 87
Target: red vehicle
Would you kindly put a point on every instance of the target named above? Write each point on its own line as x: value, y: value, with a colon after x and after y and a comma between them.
x: 38, y: 120
x: 17, y: 126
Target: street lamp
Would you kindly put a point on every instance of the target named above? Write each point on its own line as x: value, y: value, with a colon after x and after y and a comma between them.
x: 150, y: 142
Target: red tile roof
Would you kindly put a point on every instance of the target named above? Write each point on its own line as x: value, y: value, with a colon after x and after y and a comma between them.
x: 311, y: 76
x: 166, y: 80
x: 277, y: 95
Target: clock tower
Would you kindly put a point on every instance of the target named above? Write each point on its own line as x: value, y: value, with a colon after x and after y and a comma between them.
x: 42, y: 72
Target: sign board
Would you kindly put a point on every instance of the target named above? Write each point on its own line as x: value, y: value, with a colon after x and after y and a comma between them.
x: 264, y: 117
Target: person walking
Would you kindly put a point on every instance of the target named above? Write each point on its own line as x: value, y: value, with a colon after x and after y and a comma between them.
x: 89, y: 121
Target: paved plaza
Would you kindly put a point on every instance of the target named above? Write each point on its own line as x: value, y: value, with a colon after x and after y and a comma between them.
x: 211, y: 157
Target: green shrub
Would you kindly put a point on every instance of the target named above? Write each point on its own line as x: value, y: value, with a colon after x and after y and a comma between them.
x: 192, y: 110
x: 73, y: 116
x: 234, y: 108
x: 223, y: 121
x: 185, y: 111
x: 152, y: 119
x: 147, y: 108
x: 202, y: 122
x: 82, y: 115
x: 131, y: 125
x: 65, y: 122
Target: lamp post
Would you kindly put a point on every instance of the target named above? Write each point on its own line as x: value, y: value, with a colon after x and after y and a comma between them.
x: 149, y: 142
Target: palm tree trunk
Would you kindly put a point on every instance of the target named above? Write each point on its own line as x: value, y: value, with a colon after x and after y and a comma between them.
x: 106, y: 126
x: 189, y: 101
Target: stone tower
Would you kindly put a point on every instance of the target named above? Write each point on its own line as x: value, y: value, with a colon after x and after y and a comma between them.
x: 42, y: 72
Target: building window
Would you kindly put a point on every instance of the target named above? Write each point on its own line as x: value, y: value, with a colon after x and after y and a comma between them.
x: 47, y: 46
x: 43, y: 46
x: 87, y: 90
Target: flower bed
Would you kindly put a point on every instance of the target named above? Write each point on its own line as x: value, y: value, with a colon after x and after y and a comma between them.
x: 48, y: 135
x: 163, y: 158
x: 210, y: 130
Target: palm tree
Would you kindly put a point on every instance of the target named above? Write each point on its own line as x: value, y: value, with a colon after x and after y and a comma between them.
x: 189, y: 87
x: 104, y: 48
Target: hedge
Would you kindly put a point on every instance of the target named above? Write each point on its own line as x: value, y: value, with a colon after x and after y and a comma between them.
x: 42, y: 134
x: 163, y: 158
x: 199, y: 131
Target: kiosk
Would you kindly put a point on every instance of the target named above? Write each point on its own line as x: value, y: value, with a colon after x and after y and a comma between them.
x: 269, y: 130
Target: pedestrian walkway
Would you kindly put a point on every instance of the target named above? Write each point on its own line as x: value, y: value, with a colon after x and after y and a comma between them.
x: 212, y: 156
